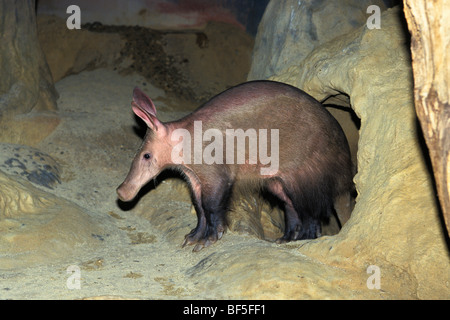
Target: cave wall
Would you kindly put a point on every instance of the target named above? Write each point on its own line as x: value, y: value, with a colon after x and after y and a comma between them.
x: 290, y: 30
x: 162, y: 14
x: 27, y: 93
x: 429, y: 47
x: 396, y: 223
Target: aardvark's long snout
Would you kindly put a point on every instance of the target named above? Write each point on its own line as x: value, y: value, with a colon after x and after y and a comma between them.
x: 126, y: 192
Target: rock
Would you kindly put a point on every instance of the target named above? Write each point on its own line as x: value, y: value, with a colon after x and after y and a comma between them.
x: 429, y: 47
x: 212, y: 60
x: 395, y: 224
x: 163, y: 14
x: 30, y: 163
x: 26, y: 83
x: 193, y: 64
x: 37, y: 227
x: 72, y: 51
x: 290, y: 30
x: 28, y: 129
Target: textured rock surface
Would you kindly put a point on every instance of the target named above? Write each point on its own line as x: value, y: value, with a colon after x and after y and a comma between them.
x: 192, y: 64
x: 290, y: 30
x: 163, y: 14
x: 26, y: 84
x: 430, y: 46
x: 37, y: 227
x: 72, y: 51
x: 396, y: 223
x: 30, y: 164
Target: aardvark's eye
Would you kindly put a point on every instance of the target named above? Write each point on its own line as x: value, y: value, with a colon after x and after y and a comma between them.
x: 147, y: 156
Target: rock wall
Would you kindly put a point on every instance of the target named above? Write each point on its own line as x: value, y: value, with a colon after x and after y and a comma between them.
x: 290, y: 30
x: 430, y: 46
x: 70, y: 52
x: 193, y: 65
x: 162, y: 14
x: 396, y: 222
x: 26, y: 85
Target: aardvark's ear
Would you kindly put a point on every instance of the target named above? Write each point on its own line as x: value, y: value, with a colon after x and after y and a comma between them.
x: 144, y: 108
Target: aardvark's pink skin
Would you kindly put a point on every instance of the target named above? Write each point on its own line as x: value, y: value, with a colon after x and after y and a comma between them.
x: 313, y: 170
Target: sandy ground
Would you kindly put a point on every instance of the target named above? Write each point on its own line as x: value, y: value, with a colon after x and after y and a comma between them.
x: 91, y: 143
